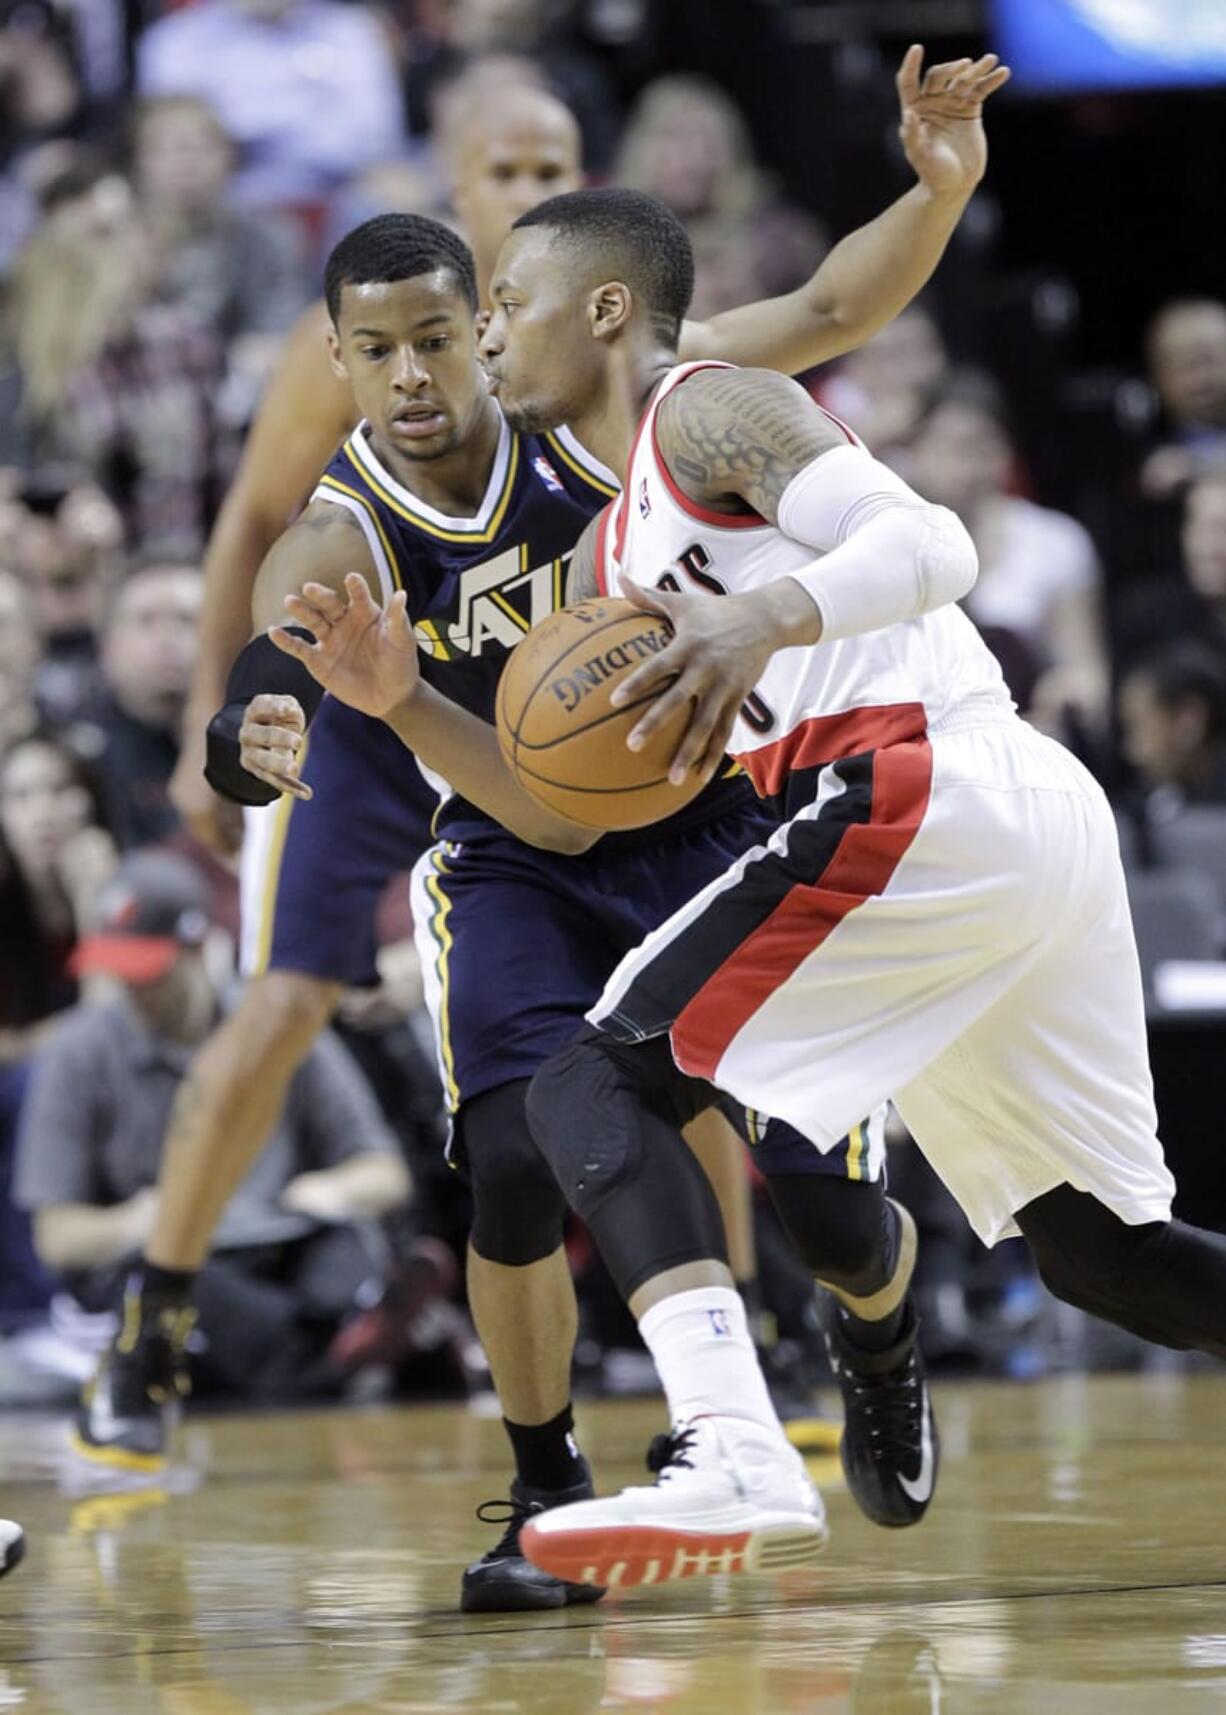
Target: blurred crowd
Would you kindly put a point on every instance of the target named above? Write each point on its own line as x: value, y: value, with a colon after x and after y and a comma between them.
x: 167, y: 194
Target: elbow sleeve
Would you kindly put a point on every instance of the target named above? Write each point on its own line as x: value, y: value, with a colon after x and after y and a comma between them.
x: 891, y: 556
x: 261, y: 667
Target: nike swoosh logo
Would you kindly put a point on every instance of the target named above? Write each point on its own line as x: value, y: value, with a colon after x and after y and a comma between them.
x: 920, y: 1488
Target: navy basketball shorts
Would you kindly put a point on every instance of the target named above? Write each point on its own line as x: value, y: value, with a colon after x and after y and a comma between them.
x: 314, y: 871
x: 517, y: 944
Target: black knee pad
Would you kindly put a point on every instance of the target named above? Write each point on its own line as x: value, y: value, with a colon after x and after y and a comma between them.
x: 842, y: 1228
x: 585, y: 1109
x: 518, y: 1209
x: 607, y: 1116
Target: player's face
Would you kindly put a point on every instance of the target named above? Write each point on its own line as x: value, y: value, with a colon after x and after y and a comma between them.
x: 501, y: 176
x: 409, y: 350
x: 544, y: 365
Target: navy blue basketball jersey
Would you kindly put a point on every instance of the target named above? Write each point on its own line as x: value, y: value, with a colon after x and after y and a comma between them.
x: 475, y: 585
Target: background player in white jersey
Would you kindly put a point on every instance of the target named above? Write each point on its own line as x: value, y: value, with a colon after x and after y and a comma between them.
x: 942, y: 920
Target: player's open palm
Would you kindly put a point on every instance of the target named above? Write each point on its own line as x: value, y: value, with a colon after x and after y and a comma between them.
x: 942, y: 118
x: 364, y: 654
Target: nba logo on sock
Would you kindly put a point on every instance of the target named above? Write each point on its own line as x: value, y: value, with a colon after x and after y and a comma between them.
x: 644, y: 500
x: 719, y: 1322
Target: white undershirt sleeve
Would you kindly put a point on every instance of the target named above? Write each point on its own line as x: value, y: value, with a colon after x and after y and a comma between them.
x: 889, y: 554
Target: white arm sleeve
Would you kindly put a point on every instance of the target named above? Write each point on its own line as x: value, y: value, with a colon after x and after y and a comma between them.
x: 890, y: 555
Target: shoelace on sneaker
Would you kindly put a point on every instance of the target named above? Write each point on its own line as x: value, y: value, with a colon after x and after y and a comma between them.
x: 891, y: 1406
x: 668, y: 1451
x: 514, y: 1515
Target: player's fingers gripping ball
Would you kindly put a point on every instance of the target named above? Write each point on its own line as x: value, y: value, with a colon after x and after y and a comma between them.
x: 561, y: 736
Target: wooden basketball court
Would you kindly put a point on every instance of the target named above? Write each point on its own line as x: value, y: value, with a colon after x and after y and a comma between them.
x: 1075, y: 1564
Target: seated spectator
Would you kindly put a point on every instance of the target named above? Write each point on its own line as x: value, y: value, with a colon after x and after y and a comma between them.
x: 1172, y: 712
x: 1189, y: 602
x: 64, y: 537
x: 883, y: 388
x: 114, y: 379
x: 148, y: 648
x: 240, y: 276
x: 1186, y: 352
x: 293, y: 1253
x: 54, y: 849
x: 1039, y: 579
x: 306, y: 88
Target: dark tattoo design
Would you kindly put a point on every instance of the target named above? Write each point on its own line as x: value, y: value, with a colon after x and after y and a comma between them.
x: 741, y: 434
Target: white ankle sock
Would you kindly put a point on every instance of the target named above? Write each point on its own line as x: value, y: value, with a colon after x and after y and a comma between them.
x: 705, y: 1357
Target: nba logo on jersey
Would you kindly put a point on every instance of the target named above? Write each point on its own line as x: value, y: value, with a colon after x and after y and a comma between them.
x: 719, y: 1323
x: 644, y: 499
x: 547, y: 474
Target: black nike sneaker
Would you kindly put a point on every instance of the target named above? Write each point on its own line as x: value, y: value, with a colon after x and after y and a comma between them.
x: 128, y: 1410
x: 503, y: 1581
x: 12, y: 1545
x: 890, y: 1449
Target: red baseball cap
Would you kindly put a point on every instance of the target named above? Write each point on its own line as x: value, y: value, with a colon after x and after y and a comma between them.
x: 153, y: 906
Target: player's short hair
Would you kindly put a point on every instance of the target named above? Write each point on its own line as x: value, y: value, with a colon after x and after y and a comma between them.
x: 644, y: 242
x: 397, y: 247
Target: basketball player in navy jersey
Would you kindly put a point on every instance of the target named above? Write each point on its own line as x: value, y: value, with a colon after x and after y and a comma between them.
x: 475, y: 494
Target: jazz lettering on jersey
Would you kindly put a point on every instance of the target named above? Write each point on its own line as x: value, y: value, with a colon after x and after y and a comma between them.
x: 496, y: 603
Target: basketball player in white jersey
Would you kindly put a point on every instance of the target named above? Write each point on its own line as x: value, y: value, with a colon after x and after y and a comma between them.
x: 942, y: 920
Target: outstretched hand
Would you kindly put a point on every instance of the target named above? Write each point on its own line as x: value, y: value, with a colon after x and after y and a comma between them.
x: 942, y: 118
x: 363, y: 654
x: 719, y: 648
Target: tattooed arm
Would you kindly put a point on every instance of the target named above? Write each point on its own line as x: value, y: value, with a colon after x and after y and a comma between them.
x: 738, y: 440
x: 733, y: 439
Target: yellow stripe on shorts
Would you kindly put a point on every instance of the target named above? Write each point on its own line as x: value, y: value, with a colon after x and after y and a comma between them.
x: 272, y: 875
x: 443, y: 939
x: 855, y: 1152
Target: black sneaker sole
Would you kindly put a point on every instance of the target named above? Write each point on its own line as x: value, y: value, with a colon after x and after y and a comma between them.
x: 521, y: 1594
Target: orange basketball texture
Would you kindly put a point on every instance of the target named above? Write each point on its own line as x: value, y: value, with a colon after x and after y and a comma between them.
x: 561, y: 736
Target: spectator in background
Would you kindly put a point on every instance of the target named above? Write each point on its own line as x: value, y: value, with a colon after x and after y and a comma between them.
x: 54, y: 849
x: 63, y: 538
x: 147, y: 651
x: 114, y: 378
x: 687, y: 143
x: 882, y: 389
x: 1185, y: 348
x: 1039, y: 579
x: 307, y: 89
x: 240, y: 276
x: 1172, y: 711
x: 1189, y: 603
x: 291, y: 1256
x: 536, y: 33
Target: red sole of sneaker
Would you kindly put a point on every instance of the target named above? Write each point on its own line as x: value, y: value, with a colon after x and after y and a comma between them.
x: 631, y: 1555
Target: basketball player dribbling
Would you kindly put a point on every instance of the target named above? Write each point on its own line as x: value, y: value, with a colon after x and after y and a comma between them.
x: 941, y: 918
x: 544, y: 1451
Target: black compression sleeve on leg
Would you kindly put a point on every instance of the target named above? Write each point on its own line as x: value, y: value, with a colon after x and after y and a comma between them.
x: 261, y: 667
x: 607, y: 1116
x: 842, y: 1229
x: 1163, y: 1280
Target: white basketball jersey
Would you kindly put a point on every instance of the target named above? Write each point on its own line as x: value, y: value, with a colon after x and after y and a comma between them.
x: 811, y: 705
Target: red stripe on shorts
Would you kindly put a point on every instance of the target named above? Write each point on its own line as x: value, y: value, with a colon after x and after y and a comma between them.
x: 822, y: 738
x: 864, y: 860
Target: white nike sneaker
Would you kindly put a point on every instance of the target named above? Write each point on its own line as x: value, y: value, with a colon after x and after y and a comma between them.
x: 12, y: 1545
x: 731, y: 1496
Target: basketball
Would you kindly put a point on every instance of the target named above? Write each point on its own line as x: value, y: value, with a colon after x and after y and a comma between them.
x: 561, y: 736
